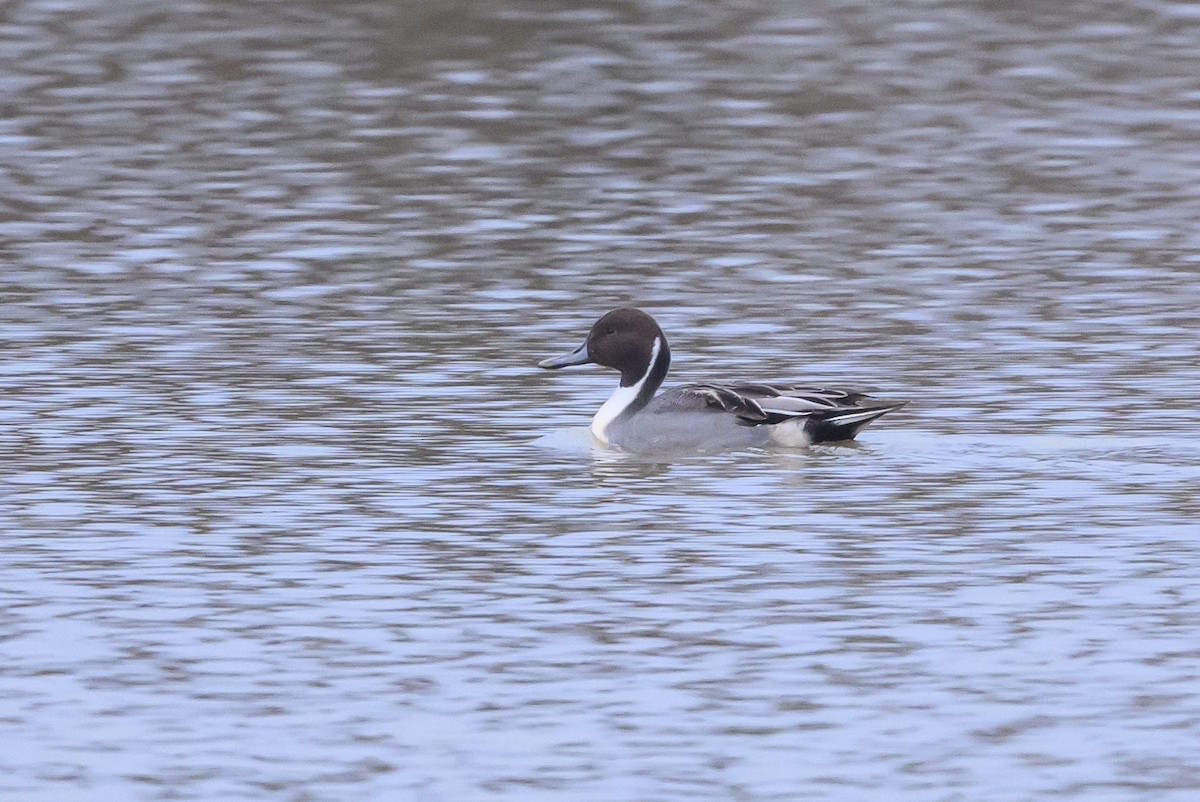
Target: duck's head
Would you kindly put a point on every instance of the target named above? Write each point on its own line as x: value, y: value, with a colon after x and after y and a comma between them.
x: 625, y: 339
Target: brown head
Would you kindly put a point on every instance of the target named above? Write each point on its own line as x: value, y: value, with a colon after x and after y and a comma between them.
x: 625, y: 339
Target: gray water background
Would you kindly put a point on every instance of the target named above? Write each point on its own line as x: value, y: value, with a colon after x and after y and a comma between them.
x: 287, y: 513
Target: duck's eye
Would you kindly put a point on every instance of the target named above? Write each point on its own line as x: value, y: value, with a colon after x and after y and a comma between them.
x: 610, y: 330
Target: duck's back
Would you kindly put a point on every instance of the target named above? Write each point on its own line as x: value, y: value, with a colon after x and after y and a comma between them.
x: 723, y: 416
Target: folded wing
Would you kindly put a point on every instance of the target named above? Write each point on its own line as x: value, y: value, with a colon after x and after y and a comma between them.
x: 829, y: 413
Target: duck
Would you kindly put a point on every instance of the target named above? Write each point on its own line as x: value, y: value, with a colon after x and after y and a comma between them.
x: 705, y: 416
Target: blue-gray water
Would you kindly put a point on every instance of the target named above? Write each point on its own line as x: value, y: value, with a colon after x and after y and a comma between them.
x: 287, y: 513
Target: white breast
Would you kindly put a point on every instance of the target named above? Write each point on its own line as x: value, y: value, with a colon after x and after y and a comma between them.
x: 619, y: 401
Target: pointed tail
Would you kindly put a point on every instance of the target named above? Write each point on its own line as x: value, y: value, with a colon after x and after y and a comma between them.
x: 845, y: 423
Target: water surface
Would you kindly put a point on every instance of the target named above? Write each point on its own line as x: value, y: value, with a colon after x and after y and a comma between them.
x: 289, y: 513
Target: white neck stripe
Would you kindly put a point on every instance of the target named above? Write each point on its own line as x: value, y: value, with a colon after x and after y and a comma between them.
x: 620, y: 400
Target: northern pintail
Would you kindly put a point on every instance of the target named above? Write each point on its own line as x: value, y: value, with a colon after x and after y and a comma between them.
x: 707, y: 416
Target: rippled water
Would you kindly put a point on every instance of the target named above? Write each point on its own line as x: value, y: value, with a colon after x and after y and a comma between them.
x: 288, y: 513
